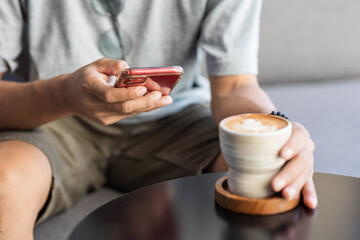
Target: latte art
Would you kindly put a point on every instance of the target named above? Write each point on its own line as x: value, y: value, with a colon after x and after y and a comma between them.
x: 251, y: 125
x: 255, y: 123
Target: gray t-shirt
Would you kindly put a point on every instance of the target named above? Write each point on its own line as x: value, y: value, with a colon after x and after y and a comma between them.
x: 63, y: 36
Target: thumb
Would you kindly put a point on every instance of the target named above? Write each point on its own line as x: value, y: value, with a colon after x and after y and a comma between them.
x: 110, y: 66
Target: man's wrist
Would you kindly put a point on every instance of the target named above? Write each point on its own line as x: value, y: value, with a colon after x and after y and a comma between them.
x: 63, y: 95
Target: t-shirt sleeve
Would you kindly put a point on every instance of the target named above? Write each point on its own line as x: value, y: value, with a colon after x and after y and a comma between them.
x: 230, y: 37
x: 11, y: 30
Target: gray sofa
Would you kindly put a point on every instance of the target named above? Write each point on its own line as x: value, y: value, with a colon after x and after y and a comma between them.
x: 309, y: 65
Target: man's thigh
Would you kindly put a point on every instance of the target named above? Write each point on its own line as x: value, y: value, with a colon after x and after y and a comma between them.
x: 180, y: 145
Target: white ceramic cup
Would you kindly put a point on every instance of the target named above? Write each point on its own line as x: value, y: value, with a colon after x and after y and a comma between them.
x: 250, y: 144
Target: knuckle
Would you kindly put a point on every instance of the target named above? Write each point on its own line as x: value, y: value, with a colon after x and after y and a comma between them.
x: 125, y: 108
x: 108, y: 96
x: 132, y: 93
x: 150, y: 103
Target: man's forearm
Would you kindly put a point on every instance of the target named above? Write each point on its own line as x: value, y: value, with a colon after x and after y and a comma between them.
x: 238, y: 94
x: 29, y: 105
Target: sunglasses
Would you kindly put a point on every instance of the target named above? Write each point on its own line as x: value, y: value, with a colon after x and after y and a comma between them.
x: 114, y: 43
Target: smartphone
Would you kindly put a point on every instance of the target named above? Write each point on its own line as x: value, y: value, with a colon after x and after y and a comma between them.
x: 161, y: 79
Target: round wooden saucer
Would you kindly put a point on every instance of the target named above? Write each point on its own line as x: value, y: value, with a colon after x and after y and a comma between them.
x: 254, y: 206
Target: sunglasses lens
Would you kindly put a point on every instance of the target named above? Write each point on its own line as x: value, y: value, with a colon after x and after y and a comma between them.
x: 110, y: 46
x: 105, y: 7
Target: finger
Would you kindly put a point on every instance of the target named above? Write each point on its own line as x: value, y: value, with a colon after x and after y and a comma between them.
x: 293, y: 189
x: 109, y: 115
x: 300, y: 163
x: 164, y: 101
x: 140, y: 104
x: 309, y: 194
x: 110, y: 94
x: 110, y: 66
x: 298, y: 140
x: 115, y: 95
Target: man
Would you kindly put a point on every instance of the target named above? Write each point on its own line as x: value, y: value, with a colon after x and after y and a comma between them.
x: 72, y: 131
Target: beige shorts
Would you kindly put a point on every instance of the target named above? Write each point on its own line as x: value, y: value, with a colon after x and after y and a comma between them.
x: 85, y: 155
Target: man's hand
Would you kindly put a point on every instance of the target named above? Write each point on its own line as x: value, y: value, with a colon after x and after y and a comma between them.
x: 242, y: 94
x: 297, y: 174
x: 85, y: 92
x: 88, y: 93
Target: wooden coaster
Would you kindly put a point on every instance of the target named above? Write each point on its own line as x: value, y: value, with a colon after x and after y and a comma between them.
x: 254, y: 206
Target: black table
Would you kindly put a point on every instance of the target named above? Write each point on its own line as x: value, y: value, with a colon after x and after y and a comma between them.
x: 185, y: 209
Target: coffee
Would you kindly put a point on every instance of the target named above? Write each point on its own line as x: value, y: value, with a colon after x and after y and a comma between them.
x: 250, y: 144
x: 255, y: 123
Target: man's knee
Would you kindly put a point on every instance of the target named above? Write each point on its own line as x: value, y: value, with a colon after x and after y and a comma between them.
x: 25, y: 179
x: 24, y: 170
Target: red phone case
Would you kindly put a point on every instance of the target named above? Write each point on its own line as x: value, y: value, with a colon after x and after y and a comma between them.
x: 161, y: 79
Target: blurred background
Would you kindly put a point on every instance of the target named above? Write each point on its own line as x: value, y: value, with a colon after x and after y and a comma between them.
x: 310, y: 67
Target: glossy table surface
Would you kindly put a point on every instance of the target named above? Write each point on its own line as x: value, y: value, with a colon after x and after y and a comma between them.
x: 185, y: 209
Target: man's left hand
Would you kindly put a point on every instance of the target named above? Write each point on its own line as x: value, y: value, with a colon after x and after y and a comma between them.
x: 296, y: 176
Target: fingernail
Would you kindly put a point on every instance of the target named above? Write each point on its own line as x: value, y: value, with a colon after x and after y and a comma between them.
x: 157, y: 96
x: 279, y: 184
x: 124, y: 64
x: 291, y: 192
x: 288, y: 153
x: 141, y: 91
x: 167, y: 100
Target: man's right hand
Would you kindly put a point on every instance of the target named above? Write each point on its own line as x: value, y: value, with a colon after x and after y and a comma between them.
x: 87, y: 92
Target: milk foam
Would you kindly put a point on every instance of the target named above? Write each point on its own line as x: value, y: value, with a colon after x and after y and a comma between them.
x: 251, y: 125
